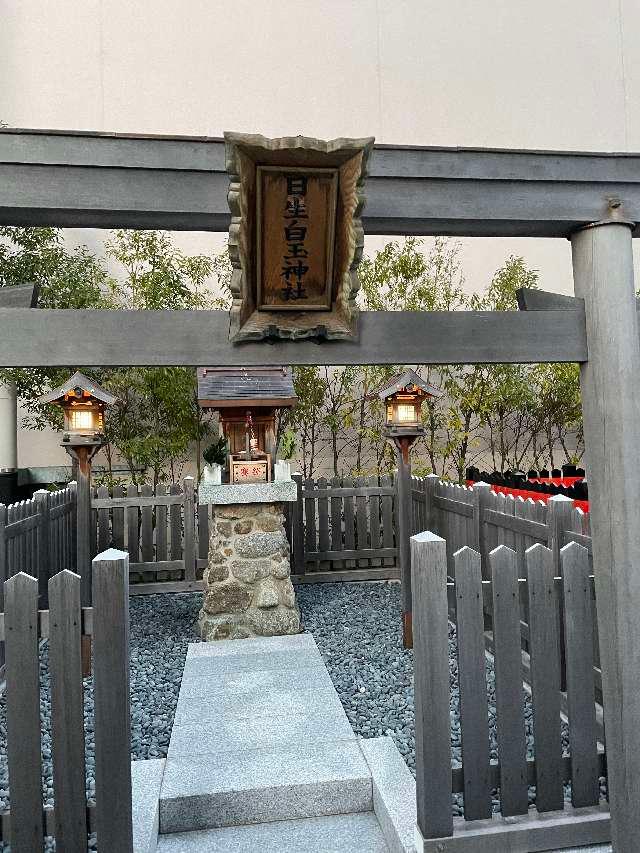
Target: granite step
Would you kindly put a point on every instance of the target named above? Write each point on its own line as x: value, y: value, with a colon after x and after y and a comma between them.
x: 351, y: 833
x: 272, y: 784
x: 260, y: 735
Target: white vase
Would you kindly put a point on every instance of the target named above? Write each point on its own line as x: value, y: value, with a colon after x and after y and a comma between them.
x: 212, y: 474
x: 282, y: 471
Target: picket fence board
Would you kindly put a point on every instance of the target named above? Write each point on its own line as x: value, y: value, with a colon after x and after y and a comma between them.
x: 544, y: 644
x: 474, y: 713
x: 67, y: 717
x: 362, y: 527
x: 189, y: 529
x: 349, y: 521
x: 431, y: 686
x: 133, y: 530
x: 22, y: 675
x: 146, y: 522
x: 336, y: 519
x: 585, y: 787
x: 161, y: 525
x: 509, y: 691
x: 387, y: 509
x: 323, y: 518
x: 175, y: 522
x: 110, y: 572
x: 118, y: 518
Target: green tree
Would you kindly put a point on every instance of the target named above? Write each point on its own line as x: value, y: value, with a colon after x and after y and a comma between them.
x: 305, y: 419
x: 557, y: 413
x: 508, y: 401
x: 157, y: 416
x: 402, y: 277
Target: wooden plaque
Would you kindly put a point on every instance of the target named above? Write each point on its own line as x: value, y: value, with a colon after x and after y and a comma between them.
x: 253, y: 471
x: 296, y: 236
x: 295, y: 225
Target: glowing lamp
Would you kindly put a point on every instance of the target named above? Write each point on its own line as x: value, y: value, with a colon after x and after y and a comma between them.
x: 403, y: 397
x: 83, y: 403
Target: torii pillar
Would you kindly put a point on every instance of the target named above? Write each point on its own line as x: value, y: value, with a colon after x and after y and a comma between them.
x: 610, y: 382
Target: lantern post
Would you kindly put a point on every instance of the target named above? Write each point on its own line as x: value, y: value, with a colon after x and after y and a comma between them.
x: 403, y: 397
x: 83, y: 403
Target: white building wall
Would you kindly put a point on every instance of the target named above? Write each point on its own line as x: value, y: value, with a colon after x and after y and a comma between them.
x: 499, y: 73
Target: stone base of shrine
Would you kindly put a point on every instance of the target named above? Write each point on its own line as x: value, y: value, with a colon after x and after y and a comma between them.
x: 248, y: 590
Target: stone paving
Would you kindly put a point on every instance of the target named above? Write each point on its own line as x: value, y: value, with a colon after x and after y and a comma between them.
x: 262, y: 755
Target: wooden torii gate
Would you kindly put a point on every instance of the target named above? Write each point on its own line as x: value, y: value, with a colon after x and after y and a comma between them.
x: 104, y: 180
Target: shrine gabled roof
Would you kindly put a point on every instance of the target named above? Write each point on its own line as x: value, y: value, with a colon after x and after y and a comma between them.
x: 79, y: 380
x: 236, y: 386
x: 407, y: 377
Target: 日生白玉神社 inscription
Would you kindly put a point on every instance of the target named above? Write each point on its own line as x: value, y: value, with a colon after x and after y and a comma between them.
x: 295, y: 227
x: 296, y: 238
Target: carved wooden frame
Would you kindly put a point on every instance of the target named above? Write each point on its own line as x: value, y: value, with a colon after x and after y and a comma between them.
x: 244, y: 153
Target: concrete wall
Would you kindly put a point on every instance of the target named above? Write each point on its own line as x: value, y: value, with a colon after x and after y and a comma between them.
x: 503, y: 73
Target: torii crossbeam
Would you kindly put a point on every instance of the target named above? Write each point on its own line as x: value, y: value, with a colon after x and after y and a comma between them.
x: 109, y: 180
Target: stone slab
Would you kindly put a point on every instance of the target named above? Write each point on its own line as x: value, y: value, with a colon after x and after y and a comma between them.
x: 277, y: 702
x: 258, y: 662
x: 283, y: 491
x: 253, y: 683
x: 252, y: 786
x: 357, y: 833
x: 235, y: 733
x: 146, y: 782
x: 394, y: 793
x: 252, y: 645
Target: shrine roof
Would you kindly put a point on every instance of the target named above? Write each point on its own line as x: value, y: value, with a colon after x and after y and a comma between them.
x: 256, y: 386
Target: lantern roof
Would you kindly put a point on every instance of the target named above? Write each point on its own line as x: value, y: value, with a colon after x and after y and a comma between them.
x: 220, y: 387
x: 79, y: 380
x: 400, y: 382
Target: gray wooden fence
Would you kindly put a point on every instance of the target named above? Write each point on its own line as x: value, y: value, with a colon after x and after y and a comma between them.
x: 22, y: 626
x: 37, y: 536
x: 343, y: 529
x: 510, y: 775
x: 165, y: 533
x: 481, y: 519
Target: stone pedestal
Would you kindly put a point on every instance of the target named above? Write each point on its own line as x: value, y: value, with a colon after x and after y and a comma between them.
x: 248, y: 590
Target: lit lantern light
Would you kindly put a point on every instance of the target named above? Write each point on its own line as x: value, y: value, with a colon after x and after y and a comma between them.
x: 83, y: 403
x: 403, y: 397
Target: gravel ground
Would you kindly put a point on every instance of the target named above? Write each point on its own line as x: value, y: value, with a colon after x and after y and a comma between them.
x: 161, y: 628
x: 357, y: 629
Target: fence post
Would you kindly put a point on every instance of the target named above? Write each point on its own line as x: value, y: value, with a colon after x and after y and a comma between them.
x: 297, y: 527
x: 189, y: 545
x: 559, y: 518
x: 403, y: 527
x: 431, y: 685
x: 67, y: 724
x: 431, y: 482
x: 3, y: 553
x: 111, y: 698
x: 41, y: 498
x: 3, y: 566
x: 83, y: 535
x: 481, y: 495
x: 23, y: 712
x: 73, y: 494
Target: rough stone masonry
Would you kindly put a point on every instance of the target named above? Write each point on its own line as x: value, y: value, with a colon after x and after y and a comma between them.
x: 248, y: 589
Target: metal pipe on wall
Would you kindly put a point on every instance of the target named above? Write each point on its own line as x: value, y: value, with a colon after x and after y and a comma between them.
x: 8, y: 428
